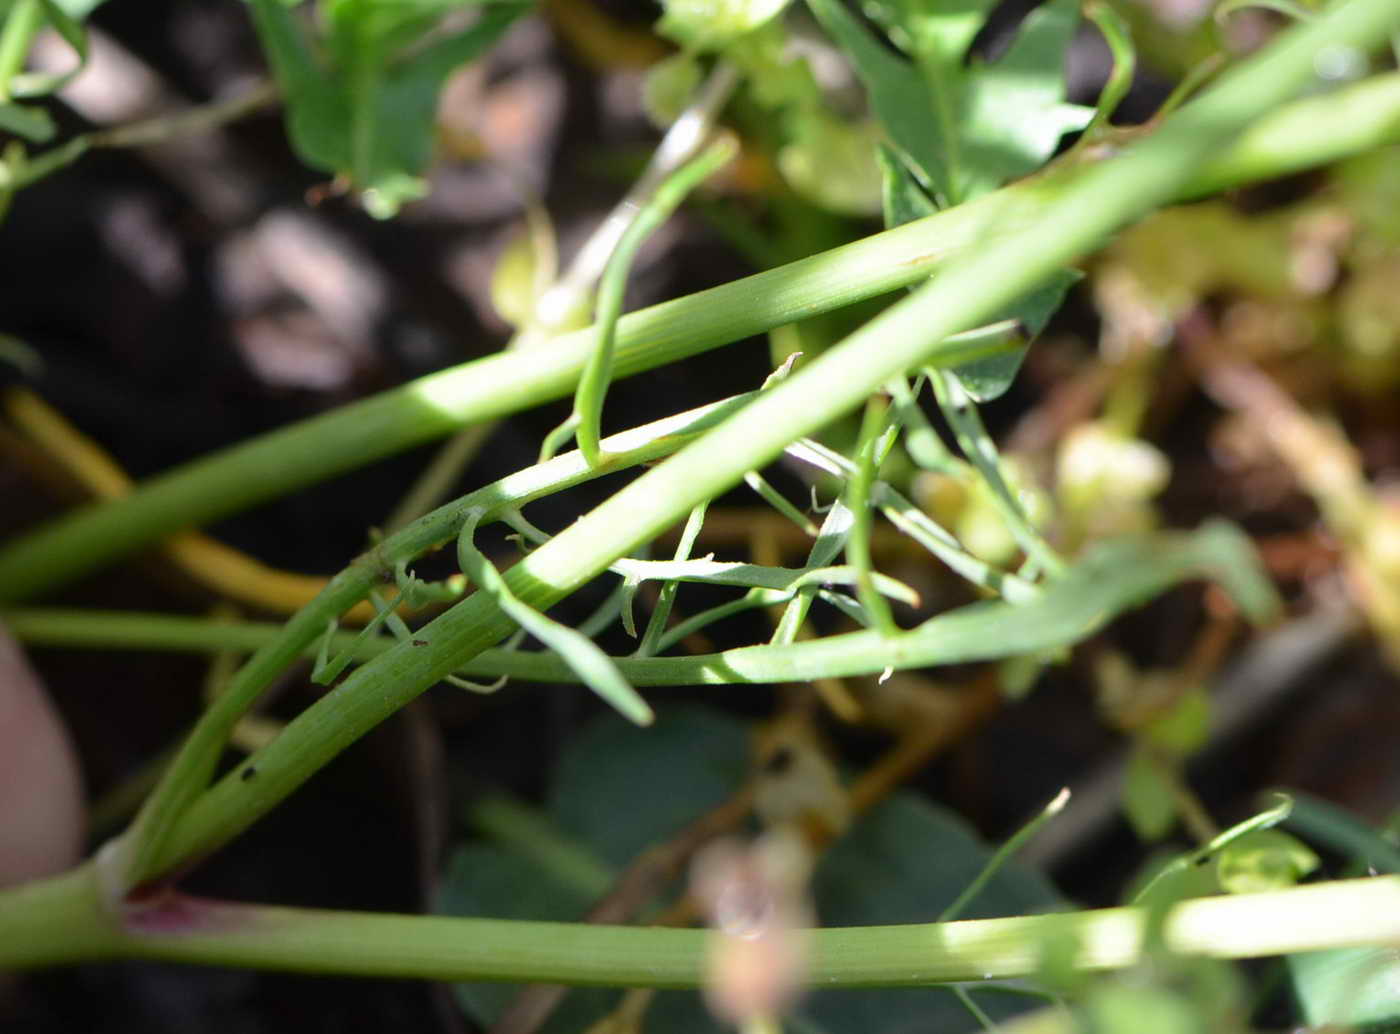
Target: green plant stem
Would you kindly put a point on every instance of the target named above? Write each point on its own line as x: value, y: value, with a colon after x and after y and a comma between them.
x: 145, y: 133
x: 869, y: 454
x: 1264, y: 820
x: 1308, y: 133
x: 1063, y: 214
x: 666, y: 596
x: 373, y: 692
x: 961, y: 413
x: 61, y: 920
x: 283, y: 461
x: 977, y: 1013
x: 1004, y: 854
x: 1083, y: 602
x: 443, y: 470
x: 189, y: 774
x: 22, y: 22
x: 1118, y: 37
x: 1066, y: 213
x: 597, y: 373
x: 521, y: 829
x: 1096, y: 590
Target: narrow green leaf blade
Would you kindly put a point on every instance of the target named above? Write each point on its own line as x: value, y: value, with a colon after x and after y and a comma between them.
x: 593, y: 667
x: 987, y: 379
x: 897, y: 92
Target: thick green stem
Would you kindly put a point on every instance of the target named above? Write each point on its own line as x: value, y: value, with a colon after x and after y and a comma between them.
x: 61, y: 921
x: 56, y: 920
x: 1308, y: 133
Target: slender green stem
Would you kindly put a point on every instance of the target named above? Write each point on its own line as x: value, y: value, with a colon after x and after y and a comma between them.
x: 909, y: 519
x: 279, y: 463
x: 977, y: 1012
x: 443, y: 470
x: 199, y: 119
x: 61, y: 921
x: 831, y: 539
x: 584, y: 657
x: 1264, y: 820
x: 1102, y: 584
x: 593, y: 382
x: 1310, y: 132
x: 23, y: 21
x: 529, y: 834
x: 1118, y: 36
x: 1056, y: 218
x: 868, y: 457
x: 976, y: 444
x: 1004, y: 854
x: 1058, y: 616
x: 142, y: 134
x: 666, y: 598
x: 779, y: 502
x: 189, y: 774
x: 1063, y: 215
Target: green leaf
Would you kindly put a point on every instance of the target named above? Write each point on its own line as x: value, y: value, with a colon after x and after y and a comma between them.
x: 33, y: 124
x: 486, y: 881
x: 362, y: 100
x: 318, y: 116
x: 585, y: 658
x: 71, y: 31
x: 1348, y: 987
x: 669, y: 86
x: 78, y: 9
x: 1185, y: 728
x: 897, y: 93
x: 965, y: 125
x: 1267, y: 859
x: 1018, y: 112
x: 618, y: 790
x: 987, y: 379
x: 904, y: 200
x: 831, y: 162
x: 1147, y: 798
x: 1123, y: 1008
x: 905, y: 862
x: 711, y: 24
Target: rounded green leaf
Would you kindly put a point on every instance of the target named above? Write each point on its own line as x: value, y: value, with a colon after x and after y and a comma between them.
x: 1267, y: 859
